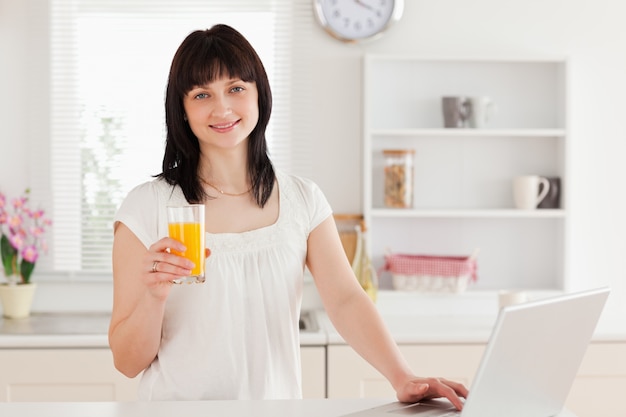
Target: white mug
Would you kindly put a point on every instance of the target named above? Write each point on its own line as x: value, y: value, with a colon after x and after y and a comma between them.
x: 526, y: 191
x: 511, y: 297
x: 481, y: 111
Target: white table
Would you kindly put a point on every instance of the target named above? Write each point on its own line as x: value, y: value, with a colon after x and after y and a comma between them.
x: 273, y: 408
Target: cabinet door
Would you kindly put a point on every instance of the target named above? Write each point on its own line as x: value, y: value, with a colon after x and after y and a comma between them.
x: 89, y: 375
x: 313, y: 371
x: 350, y: 376
x: 601, y: 382
x: 62, y: 375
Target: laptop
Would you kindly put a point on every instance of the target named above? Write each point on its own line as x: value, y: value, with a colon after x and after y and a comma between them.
x: 529, y: 364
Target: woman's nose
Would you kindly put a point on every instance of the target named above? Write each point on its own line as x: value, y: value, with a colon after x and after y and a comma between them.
x: 221, y: 106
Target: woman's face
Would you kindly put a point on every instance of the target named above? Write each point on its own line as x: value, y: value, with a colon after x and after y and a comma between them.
x: 222, y: 113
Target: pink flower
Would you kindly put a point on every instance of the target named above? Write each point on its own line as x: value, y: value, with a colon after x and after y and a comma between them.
x: 37, y: 231
x: 15, y: 221
x: 30, y: 254
x: 17, y: 240
x: 24, y: 228
x: 19, y: 202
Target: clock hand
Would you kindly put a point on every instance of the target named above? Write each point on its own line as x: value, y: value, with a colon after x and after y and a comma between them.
x: 360, y: 3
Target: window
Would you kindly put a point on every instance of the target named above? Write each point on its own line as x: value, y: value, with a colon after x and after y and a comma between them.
x: 109, y: 65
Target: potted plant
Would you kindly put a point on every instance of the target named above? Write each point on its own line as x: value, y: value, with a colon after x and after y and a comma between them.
x: 22, y: 232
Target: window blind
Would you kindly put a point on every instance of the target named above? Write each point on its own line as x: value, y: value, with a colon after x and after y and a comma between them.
x: 109, y: 62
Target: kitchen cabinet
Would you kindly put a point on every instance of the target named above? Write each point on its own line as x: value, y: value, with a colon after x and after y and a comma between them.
x: 601, y: 382
x: 350, y: 376
x: 313, y: 360
x: 597, y: 389
x: 462, y: 177
x: 89, y: 375
x: 62, y: 375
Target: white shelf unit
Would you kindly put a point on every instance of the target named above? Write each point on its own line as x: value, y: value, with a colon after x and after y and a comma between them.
x: 463, y: 177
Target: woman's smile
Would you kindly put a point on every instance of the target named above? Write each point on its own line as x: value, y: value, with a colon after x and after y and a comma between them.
x: 224, y: 127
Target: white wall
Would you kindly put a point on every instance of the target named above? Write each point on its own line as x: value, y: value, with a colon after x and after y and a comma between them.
x: 590, y: 32
x: 13, y: 110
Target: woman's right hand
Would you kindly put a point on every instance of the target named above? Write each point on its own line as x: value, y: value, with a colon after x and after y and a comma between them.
x: 161, y: 267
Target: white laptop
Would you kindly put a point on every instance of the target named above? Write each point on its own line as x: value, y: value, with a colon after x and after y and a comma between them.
x: 530, y: 362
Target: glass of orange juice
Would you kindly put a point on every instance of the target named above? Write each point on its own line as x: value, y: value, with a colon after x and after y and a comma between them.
x: 186, y: 224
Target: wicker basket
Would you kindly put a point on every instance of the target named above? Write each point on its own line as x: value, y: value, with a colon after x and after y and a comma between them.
x: 431, y: 273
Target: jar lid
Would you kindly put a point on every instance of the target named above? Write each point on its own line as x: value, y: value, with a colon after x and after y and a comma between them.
x: 398, y: 151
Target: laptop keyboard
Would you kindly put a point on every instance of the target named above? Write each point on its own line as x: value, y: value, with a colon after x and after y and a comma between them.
x: 424, y: 410
x: 427, y: 413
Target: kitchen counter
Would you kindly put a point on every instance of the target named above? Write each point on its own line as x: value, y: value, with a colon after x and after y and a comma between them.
x: 85, y: 330
x: 273, y: 408
x: 56, y: 330
x: 466, y: 318
x: 411, y: 318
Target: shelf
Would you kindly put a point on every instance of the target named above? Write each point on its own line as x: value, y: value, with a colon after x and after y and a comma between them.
x: 530, y: 133
x: 464, y: 213
x: 462, y: 177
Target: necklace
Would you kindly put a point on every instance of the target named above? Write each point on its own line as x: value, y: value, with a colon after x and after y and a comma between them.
x: 222, y: 191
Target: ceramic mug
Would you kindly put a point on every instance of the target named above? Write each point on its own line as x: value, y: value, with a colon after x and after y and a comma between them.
x: 526, y: 193
x: 511, y: 297
x: 553, y: 199
x: 456, y: 111
x: 481, y: 111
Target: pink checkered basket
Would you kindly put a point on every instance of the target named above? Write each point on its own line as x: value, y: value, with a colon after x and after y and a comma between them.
x: 431, y: 273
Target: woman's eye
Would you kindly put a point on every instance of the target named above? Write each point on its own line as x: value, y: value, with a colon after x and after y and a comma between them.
x: 201, y: 96
x: 236, y: 89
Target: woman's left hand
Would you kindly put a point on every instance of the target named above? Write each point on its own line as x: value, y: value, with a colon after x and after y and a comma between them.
x: 419, y: 389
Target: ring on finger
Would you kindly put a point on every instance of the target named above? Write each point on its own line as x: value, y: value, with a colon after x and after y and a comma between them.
x: 154, y: 266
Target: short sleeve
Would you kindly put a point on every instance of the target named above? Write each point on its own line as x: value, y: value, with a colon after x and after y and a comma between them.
x: 143, y: 211
x: 320, y: 208
x: 315, y: 203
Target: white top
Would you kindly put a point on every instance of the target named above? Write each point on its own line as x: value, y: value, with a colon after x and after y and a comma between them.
x: 236, y: 336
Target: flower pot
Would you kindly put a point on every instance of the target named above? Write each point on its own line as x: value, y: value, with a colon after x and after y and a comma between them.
x: 17, y: 300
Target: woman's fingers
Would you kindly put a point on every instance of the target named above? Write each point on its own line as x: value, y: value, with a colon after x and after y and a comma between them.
x: 165, y: 244
x: 458, y: 388
x: 427, y: 388
x: 164, y: 266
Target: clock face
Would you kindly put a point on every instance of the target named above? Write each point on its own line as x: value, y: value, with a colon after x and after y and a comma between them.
x: 356, y: 20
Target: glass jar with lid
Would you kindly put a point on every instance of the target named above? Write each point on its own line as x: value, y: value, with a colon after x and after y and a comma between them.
x: 399, y: 177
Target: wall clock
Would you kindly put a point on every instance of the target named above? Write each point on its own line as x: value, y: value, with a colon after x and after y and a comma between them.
x: 357, y: 20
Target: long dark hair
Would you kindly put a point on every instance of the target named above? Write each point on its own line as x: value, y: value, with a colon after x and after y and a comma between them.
x: 204, y: 56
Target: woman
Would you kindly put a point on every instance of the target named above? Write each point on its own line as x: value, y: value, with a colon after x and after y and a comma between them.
x: 237, y: 335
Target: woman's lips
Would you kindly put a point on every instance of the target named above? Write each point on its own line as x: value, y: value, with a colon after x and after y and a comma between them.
x: 224, y: 127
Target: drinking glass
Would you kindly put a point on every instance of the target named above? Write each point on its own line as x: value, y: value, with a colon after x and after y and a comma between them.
x: 186, y: 224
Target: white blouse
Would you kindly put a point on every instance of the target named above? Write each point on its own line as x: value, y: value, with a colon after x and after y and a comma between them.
x: 236, y: 336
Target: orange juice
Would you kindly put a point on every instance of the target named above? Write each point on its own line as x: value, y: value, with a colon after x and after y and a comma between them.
x: 190, y: 234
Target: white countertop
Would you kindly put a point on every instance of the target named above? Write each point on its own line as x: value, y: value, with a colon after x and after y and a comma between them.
x: 411, y: 319
x: 80, y: 330
x: 268, y: 408
x: 414, y: 318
